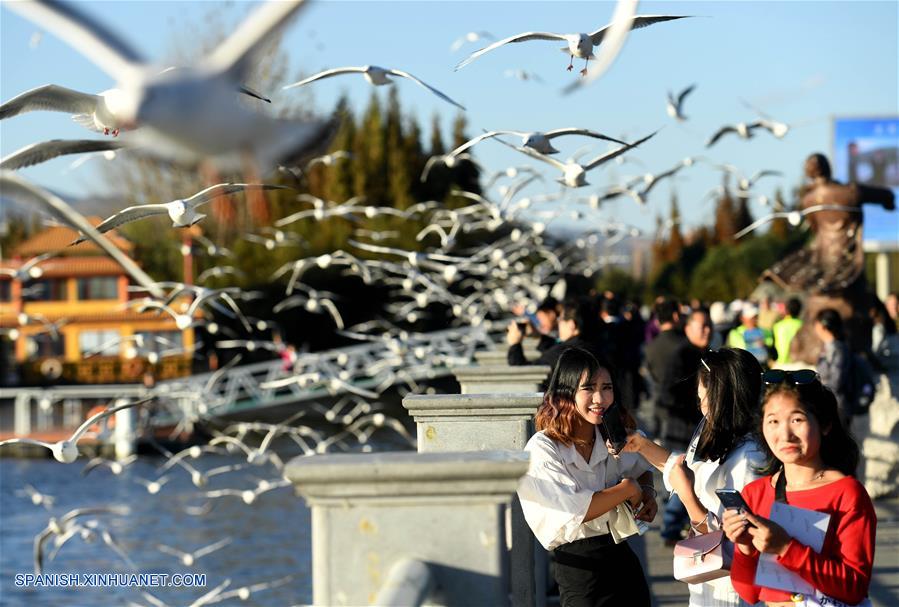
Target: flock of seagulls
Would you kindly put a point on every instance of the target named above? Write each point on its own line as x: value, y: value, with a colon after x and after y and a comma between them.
x: 206, y: 113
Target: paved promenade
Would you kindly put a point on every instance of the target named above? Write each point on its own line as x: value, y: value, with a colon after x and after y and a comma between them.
x: 884, y: 590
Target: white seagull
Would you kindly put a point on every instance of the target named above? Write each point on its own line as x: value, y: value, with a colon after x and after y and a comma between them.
x: 188, y: 559
x: 470, y: 37
x: 794, y: 218
x: 182, y: 212
x: 579, y: 45
x: 745, y: 130
x: 66, y: 450
x: 29, y: 270
x: 37, y: 153
x: 574, y: 175
x: 190, y: 112
x: 97, y: 113
x: 375, y: 75
x: 536, y: 140
x: 676, y: 104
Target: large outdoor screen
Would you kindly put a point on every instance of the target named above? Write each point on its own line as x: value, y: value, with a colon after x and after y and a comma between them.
x: 866, y: 150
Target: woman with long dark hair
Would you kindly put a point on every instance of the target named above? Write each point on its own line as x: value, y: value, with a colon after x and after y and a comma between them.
x: 810, y: 463
x: 723, y: 453
x: 574, y: 492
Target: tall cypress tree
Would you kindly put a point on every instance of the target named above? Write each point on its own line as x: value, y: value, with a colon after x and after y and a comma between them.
x: 339, y: 183
x: 742, y: 217
x: 780, y: 229
x: 465, y: 174
x: 675, y: 246
x: 725, y: 218
x: 399, y: 176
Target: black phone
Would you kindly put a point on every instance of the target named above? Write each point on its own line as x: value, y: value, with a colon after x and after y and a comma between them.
x: 732, y: 500
x: 613, y: 429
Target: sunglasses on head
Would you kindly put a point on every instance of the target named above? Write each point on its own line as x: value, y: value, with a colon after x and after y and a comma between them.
x: 798, y: 378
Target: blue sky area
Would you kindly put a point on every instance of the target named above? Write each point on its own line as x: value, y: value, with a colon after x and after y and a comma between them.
x: 803, y: 63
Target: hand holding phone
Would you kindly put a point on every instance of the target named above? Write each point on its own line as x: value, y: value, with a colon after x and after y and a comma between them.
x: 613, y: 429
x: 732, y: 500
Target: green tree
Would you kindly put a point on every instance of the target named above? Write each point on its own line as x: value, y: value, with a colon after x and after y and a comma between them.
x: 398, y: 162
x: 725, y: 218
x: 675, y: 243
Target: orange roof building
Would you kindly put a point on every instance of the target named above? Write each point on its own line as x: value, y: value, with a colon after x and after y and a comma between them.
x: 70, y: 317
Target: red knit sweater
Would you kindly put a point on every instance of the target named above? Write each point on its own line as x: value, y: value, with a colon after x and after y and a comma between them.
x: 843, y: 569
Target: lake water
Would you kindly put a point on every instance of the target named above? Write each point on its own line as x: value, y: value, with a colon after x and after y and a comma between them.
x: 271, y: 537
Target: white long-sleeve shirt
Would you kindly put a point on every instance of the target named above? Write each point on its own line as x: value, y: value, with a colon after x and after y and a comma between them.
x: 556, y: 491
x: 735, y: 472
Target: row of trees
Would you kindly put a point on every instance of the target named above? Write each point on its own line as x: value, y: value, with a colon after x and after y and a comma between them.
x: 709, y: 263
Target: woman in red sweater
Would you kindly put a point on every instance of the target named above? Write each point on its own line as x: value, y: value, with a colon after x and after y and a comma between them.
x: 811, y: 460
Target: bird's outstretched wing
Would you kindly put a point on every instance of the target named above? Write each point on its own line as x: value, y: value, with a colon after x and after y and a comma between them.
x: 584, y: 132
x: 757, y: 224
x: 421, y: 83
x: 37, y: 153
x: 111, y: 53
x: 235, y: 53
x: 638, y: 22
x: 222, y: 189
x: 524, y: 37
x: 684, y: 93
x: 50, y: 97
x: 486, y: 135
x: 535, y: 154
x: 126, y: 216
x: 105, y: 413
x: 337, y: 71
x: 617, y: 152
x: 719, y: 134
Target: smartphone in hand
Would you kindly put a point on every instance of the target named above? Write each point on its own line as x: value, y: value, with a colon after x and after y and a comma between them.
x: 732, y: 500
x: 613, y: 428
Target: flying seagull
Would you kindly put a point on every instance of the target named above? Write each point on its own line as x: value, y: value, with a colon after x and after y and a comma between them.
x: 574, y: 175
x: 37, y: 153
x: 190, y: 112
x: 66, y: 450
x: 676, y: 104
x: 182, y: 212
x: 745, y: 130
x: 794, y: 218
x: 579, y: 45
x: 375, y: 75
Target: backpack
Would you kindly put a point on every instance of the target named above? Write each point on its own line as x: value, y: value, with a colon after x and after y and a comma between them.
x: 862, y: 385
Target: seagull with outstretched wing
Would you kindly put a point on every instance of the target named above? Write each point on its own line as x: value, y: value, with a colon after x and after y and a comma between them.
x: 377, y: 76
x: 37, y: 153
x: 574, y: 175
x: 794, y: 218
x: 182, y: 212
x: 676, y: 104
x: 579, y: 45
x: 188, y: 113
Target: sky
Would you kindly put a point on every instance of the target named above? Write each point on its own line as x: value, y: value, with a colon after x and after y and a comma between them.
x: 802, y: 63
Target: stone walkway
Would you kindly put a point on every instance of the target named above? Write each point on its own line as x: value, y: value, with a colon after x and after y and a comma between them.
x: 884, y: 589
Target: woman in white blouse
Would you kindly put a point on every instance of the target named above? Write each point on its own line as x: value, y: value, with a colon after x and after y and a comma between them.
x: 724, y: 453
x: 574, y: 492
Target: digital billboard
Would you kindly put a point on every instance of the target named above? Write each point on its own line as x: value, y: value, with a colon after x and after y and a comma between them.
x: 866, y: 150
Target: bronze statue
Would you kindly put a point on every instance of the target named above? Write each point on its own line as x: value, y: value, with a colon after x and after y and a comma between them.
x: 830, y: 271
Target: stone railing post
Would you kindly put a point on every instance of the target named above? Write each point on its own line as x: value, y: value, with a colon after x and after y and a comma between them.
x: 372, y: 511
x: 477, y: 422
x: 492, y: 379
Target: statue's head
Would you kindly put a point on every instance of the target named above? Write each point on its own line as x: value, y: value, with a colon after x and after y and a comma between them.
x: 817, y: 165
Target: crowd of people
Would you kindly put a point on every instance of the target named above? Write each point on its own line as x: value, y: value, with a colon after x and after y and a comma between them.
x: 723, y: 408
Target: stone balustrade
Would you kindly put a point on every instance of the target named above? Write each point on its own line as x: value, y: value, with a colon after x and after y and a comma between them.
x: 492, y: 379
x: 372, y: 512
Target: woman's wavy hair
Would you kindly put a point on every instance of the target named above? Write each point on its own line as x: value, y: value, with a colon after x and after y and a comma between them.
x: 838, y: 449
x: 557, y: 416
x: 733, y: 383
